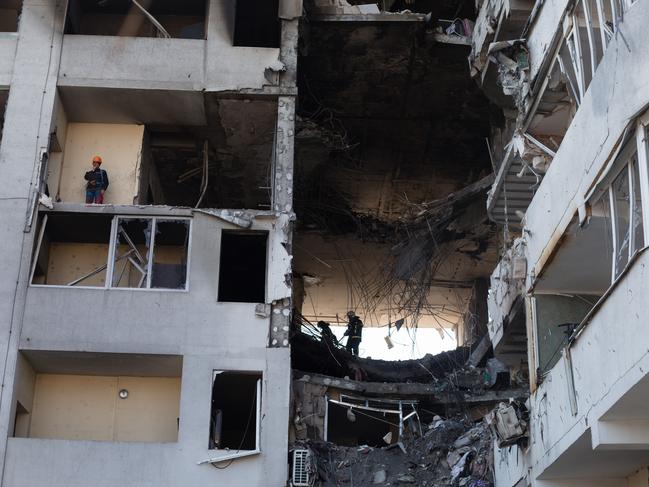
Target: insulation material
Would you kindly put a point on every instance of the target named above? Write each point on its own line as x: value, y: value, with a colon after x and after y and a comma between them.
x: 512, y: 59
x: 279, y: 265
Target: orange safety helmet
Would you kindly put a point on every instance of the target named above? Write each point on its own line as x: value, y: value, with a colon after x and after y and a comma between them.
x: 97, y: 159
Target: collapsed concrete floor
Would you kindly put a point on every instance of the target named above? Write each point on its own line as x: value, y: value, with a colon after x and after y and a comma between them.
x: 428, y: 422
x: 450, y: 452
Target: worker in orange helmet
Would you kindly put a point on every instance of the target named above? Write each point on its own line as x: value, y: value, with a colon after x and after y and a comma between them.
x: 97, y: 182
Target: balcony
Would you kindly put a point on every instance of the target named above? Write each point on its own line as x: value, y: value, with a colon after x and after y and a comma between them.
x: 595, y: 394
x: 135, y: 456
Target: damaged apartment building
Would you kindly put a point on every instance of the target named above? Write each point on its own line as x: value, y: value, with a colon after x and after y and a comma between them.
x: 477, y: 170
x: 145, y: 339
x: 570, y: 197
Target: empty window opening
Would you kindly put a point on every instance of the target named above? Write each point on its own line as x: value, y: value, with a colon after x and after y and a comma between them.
x: 242, y: 270
x: 353, y: 421
x: 10, y: 15
x: 236, y: 411
x: 256, y: 23
x: 72, y: 250
x: 150, y: 253
x: 155, y: 18
x: 101, y: 397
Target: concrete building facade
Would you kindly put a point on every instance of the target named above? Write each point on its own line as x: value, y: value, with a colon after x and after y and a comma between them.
x: 145, y: 341
x: 571, y: 195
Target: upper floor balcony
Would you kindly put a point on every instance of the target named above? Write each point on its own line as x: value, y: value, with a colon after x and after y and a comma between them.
x: 568, y: 46
x: 212, y: 45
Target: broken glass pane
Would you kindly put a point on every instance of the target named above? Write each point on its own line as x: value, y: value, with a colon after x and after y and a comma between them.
x: 132, y: 252
x: 169, y: 270
x: 638, y: 228
x: 621, y: 210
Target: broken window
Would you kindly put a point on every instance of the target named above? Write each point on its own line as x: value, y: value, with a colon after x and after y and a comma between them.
x: 141, y: 18
x: 256, y: 23
x: 242, y: 269
x: 626, y: 206
x: 72, y: 250
x: 150, y: 253
x: 10, y: 15
x: 353, y: 421
x: 235, y: 413
x: 556, y: 317
x: 589, y: 31
x: 147, y: 253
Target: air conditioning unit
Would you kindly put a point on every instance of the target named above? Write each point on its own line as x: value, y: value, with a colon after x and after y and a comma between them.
x: 301, y: 460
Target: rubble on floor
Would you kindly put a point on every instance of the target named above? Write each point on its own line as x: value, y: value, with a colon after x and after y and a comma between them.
x: 450, y: 452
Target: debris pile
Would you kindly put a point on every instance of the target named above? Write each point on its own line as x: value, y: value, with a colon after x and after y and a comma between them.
x: 450, y: 452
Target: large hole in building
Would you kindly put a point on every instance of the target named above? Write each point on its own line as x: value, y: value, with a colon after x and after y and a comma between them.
x: 10, y: 14
x: 242, y: 270
x: 234, y: 416
x: 256, y: 23
x: 186, y: 19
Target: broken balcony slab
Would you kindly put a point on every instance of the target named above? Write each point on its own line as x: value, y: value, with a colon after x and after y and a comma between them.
x: 409, y: 389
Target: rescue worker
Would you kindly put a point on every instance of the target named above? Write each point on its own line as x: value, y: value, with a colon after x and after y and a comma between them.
x: 97, y: 182
x: 326, y: 334
x: 354, y: 332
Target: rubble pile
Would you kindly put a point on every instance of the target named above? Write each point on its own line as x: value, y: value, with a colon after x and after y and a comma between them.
x: 450, y: 452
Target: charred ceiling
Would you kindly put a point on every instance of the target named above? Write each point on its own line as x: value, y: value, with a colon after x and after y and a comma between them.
x: 389, y: 117
x: 391, y: 151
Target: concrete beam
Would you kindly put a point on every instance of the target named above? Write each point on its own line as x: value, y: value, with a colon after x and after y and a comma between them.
x: 383, y: 17
x: 410, y: 389
x: 620, y: 435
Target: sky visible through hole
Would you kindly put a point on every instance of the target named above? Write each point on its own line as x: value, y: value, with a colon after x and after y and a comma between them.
x: 427, y: 340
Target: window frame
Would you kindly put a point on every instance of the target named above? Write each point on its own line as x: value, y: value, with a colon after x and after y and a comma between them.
x: 110, y: 263
x: 226, y: 456
x: 633, y: 151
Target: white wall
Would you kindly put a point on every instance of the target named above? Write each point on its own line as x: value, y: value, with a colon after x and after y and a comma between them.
x: 616, y: 94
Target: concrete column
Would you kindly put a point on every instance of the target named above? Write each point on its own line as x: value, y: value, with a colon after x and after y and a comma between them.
x: 25, y: 135
x: 283, y: 203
